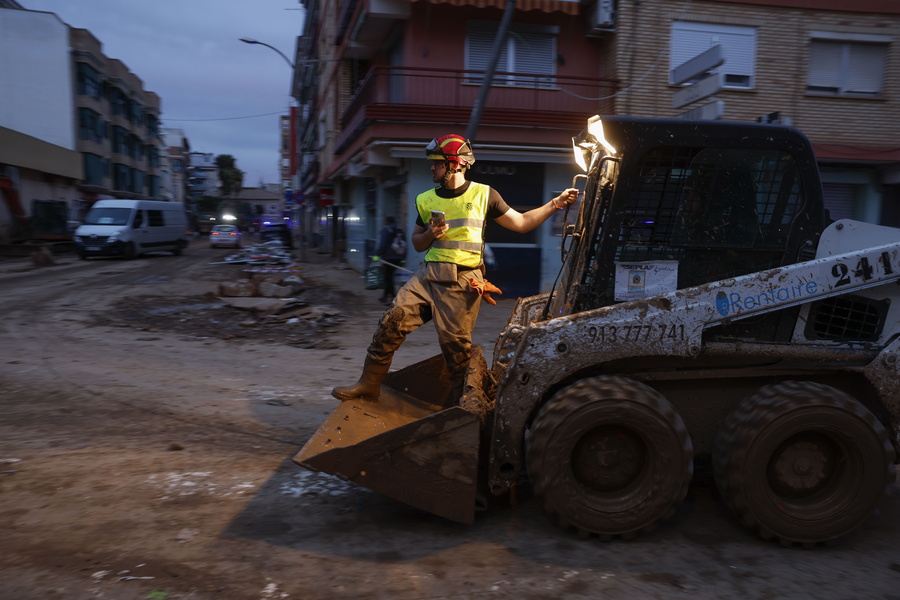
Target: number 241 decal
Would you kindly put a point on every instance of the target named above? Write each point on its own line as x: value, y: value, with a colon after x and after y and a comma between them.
x: 863, y: 269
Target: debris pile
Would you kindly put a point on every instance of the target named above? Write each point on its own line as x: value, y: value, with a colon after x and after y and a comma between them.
x: 272, y: 252
x: 274, y: 295
x: 269, y: 302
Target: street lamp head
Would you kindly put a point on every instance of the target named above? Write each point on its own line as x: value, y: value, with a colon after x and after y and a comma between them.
x: 252, y: 41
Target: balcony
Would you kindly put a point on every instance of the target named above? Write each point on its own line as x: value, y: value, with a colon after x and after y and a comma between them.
x: 405, y: 95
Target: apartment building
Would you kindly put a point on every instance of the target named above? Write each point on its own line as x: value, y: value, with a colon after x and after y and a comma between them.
x: 288, y: 149
x: 119, y: 133
x: 203, y: 175
x: 387, y: 77
x: 76, y: 125
x: 176, y: 148
x: 375, y: 81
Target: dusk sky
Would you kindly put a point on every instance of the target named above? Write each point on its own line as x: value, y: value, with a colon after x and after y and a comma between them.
x: 224, y: 94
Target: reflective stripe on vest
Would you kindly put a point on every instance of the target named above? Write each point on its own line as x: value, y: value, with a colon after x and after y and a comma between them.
x: 465, y: 215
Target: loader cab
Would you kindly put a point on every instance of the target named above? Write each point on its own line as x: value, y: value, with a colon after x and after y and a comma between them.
x: 706, y: 200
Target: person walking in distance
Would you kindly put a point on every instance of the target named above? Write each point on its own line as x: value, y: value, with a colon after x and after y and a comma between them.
x: 391, y: 251
x: 449, y: 285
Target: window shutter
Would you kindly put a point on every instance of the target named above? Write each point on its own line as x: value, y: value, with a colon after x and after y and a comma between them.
x: 825, y: 66
x: 535, y: 53
x: 529, y: 49
x: 865, y: 68
x: 479, y: 44
x: 846, y: 63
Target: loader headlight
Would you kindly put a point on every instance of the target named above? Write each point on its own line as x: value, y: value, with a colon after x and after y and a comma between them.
x: 595, y: 128
x: 590, y: 142
x: 582, y: 155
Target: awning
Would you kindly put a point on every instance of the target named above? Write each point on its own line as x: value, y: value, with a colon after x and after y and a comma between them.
x: 21, y: 150
x: 569, y: 7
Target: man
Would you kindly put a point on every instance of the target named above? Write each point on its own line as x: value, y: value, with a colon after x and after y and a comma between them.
x: 442, y: 288
x: 393, y: 256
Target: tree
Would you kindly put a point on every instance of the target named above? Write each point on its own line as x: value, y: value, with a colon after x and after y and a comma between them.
x: 208, y: 204
x: 231, y: 178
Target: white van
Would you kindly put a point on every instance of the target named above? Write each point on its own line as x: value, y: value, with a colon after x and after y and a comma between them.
x: 132, y: 227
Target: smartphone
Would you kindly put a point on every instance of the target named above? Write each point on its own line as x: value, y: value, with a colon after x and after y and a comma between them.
x: 437, y: 217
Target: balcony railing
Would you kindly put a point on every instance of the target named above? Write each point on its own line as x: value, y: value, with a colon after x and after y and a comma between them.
x: 407, y: 94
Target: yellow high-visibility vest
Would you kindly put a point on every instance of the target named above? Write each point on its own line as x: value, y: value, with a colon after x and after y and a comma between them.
x: 465, y: 215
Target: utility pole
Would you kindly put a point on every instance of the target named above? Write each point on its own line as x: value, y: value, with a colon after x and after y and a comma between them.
x: 499, y: 41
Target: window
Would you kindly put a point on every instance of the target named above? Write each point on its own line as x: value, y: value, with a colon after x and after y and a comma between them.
x: 119, y: 102
x: 739, y: 43
x: 157, y: 219
x: 135, y: 113
x: 137, y: 182
x: 121, y: 177
x: 846, y: 64
x: 529, y: 49
x: 91, y: 125
x: 153, y: 186
x: 90, y: 83
x: 119, y: 140
x: 152, y: 124
x: 95, y: 169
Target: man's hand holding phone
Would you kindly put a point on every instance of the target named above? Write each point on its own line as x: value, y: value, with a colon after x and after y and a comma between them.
x: 438, y: 224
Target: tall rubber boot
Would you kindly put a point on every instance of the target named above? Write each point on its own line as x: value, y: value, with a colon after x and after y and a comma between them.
x: 369, y: 385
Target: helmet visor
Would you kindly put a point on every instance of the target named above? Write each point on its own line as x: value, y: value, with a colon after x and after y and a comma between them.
x: 433, y: 151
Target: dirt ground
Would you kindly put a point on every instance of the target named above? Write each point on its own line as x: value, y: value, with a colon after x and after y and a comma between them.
x: 146, y: 436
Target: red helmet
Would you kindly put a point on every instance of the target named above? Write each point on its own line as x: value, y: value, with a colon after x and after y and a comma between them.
x: 451, y: 147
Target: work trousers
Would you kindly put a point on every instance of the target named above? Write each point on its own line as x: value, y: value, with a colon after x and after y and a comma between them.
x: 439, y: 292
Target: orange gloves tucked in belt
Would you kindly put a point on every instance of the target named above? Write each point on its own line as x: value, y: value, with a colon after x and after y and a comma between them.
x: 485, y: 288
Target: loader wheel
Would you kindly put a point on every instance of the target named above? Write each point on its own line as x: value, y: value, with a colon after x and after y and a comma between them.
x: 803, y: 462
x: 609, y: 456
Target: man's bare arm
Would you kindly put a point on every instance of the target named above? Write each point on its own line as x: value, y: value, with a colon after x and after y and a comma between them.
x: 525, y: 222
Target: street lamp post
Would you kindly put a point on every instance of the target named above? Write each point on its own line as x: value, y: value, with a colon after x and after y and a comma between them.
x: 303, y: 216
x: 293, y: 67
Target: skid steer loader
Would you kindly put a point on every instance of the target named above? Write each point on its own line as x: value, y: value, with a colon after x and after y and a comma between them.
x: 707, y: 310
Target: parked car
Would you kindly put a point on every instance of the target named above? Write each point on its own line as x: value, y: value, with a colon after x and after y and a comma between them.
x: 225, y: 235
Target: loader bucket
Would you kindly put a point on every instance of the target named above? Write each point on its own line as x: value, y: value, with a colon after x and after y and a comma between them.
x: 410, y: 444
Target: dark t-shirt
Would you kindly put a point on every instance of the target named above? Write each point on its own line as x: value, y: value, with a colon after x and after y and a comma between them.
x: 497, y: 206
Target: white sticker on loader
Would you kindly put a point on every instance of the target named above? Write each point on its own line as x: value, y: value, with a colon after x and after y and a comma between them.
x: 636, y: 280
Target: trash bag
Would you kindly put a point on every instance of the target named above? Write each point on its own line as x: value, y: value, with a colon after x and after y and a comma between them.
x: 374, y: 278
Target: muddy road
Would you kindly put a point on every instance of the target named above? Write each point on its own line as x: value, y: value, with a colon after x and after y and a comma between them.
x: 146, y: 437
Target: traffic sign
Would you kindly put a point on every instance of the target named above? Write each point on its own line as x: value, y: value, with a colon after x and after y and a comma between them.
x: 709, y: 85
x: 700, y: 64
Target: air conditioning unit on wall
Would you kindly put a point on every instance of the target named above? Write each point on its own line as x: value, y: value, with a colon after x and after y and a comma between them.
x: 602, y: 18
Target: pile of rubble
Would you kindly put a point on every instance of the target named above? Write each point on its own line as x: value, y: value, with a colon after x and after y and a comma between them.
x: 269, y: 302
x: 272, y: 252
x: 273, y: 295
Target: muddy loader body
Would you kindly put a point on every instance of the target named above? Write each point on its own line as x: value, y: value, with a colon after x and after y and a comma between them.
x: 706, y: 310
